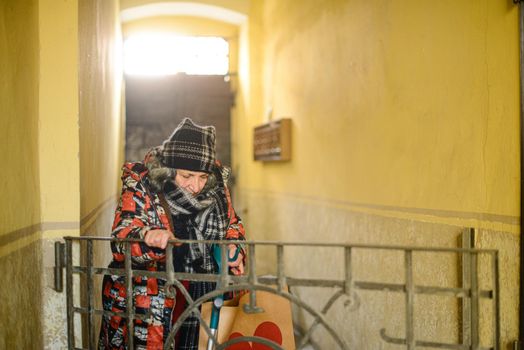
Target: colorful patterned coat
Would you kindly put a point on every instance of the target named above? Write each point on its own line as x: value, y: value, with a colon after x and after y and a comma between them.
x: 140, y: 210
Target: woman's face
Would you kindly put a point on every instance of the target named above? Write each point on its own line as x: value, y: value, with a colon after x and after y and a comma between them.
x: 191, y: 181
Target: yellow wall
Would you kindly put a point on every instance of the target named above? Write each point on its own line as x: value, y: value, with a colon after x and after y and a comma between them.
x: 58, y: 150
x: 240, y: 6
x: 40, y: 108
x: 101, y: 118
x: 20, y: 259
x: 386, y: 96
x: 101, y: 121
x: 58, y: 97
x: 182, y: 25
x: 19, y: 112
x: 42, y: 198
x: 405, y: 123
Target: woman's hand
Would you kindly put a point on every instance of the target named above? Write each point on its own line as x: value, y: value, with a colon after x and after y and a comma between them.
x: 236, y: 266
x: 158, y: 238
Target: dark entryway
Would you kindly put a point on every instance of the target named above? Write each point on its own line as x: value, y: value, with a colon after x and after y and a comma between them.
x: 155, y: 106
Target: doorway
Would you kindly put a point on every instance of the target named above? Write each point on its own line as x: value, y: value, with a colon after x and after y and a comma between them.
x: 170, y: 77
x: 156, y: 105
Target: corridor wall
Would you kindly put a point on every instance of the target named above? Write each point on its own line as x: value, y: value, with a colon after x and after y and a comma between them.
x: 20, y: 247
x: 101, y: 117
x: 58, y: 181
x: 405, y: 119
x: 101, y: 125
x: 58, y: 151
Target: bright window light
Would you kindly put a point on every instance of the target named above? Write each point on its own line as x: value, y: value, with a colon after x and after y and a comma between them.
x: 164, y: 54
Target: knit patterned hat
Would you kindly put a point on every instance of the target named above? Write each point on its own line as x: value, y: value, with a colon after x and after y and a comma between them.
x: 190, y: 147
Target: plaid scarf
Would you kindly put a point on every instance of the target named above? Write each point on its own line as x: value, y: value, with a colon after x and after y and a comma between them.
x: 206, y: 216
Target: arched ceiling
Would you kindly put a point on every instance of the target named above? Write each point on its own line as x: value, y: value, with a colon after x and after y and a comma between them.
x: 133, y: 12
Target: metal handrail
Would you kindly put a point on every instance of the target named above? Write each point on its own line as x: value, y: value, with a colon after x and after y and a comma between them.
x: 346, y: 287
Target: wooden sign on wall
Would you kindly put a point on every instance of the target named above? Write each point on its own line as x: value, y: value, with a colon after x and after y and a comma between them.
x: 272, y: 141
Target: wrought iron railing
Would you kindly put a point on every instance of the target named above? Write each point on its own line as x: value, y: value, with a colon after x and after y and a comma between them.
x: 469, y: 293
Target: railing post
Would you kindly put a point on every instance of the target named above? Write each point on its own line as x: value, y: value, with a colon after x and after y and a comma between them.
x: 496, y: 302
x: 252, y: 279
x: 129, y: 297
x: 410, y: 300
x: 281, y: 277
x: 90, y: 302
x: 475, y: 339
x: 69, y: 295
x: 224, y: 272
x: 348, y: 283
x: 170, y: 268
x: 59, y: 265
x: 467, y: 243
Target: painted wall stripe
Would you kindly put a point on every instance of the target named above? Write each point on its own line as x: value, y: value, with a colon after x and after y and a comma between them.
x: 96, y: 211
x: 18, y: 234
x: 33, y: 232
x: 377, y: 208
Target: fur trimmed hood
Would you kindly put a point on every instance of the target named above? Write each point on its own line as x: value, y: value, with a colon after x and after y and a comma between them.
x: 158, y: 173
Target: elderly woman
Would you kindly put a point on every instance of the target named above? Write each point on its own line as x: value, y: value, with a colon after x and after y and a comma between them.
x: 179, y: 190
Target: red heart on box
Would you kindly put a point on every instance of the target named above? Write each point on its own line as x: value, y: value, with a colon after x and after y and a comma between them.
x: 267, y: 330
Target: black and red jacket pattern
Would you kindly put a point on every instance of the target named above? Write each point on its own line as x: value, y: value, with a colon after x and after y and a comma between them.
x: 140, y: 210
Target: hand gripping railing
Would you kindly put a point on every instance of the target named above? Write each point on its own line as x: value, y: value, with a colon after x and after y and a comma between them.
x: 346, y: 288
